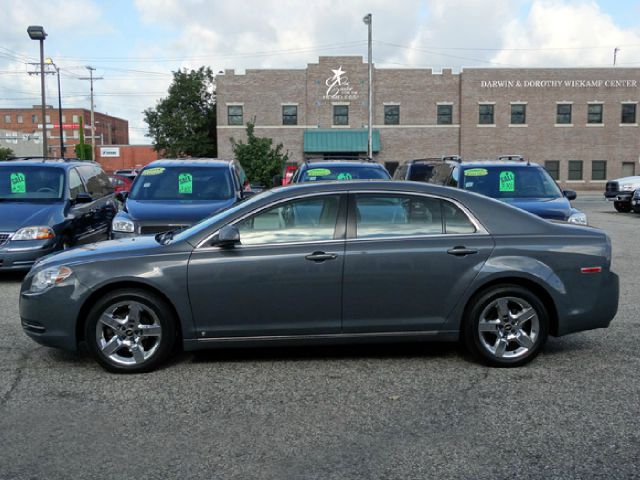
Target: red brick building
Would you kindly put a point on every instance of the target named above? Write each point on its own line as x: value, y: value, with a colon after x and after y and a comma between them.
x: 115, y: 157
x: 109, y: 130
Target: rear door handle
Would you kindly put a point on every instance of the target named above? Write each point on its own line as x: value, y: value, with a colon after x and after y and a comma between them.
x: 461, y: 251
x: 321, y: 256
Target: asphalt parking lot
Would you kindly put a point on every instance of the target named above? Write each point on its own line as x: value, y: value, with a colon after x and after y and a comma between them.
x: 407, y: 412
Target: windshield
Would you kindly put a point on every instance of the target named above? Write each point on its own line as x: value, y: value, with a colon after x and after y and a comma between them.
x: 420, y: 172
x: 343, y: 172
x: 31, y: 183
x: 183, y: 183
x: 511, y: 182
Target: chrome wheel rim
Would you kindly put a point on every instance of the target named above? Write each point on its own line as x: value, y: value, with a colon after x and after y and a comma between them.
x: 509, y: 328
x: 128, y: 333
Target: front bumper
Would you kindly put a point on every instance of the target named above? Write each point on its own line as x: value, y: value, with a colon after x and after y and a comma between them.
x: 50, y: 317
x: 23, y: 254
x: 618, y: 196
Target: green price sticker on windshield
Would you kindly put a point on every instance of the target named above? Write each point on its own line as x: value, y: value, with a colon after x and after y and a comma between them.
x: 345, y: 176
x: 185, y: 183
x: 507, y: 182
x: 476, y: 172
x: 18, y: 183
x: 318, y: 172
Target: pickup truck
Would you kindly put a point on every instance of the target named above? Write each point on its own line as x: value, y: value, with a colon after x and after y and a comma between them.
x: 620, y: 192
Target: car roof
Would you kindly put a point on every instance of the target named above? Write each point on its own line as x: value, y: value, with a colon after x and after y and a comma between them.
x: 190, y: 162
x: 65, y: 163
x: 497, y: 163
x: 349, y: 163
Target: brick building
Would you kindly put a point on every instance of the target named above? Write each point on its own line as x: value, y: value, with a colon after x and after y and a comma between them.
x: 116, y: 157
x: 582, y: 124
x: 109, y: 130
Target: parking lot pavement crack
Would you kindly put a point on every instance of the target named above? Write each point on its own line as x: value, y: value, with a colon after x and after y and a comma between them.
x: 21, y: 365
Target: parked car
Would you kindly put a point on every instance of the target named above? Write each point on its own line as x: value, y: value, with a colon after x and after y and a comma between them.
x: 378, y: 262
x: 635, y: 201
x: 130, y: 173
x: 421, y: 170
x: 50, y: 205
x: 320, y: 170
x: 120, y: 183
x: 520, y: 183
x: 171, y: 194
x: 620, y: 192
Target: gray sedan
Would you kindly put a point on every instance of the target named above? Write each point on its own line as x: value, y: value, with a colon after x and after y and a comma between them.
x: 329, y: 263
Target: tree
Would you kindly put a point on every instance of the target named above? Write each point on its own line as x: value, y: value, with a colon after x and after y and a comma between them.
x: 5, y: 152
x: 184, y: 123
x: 83, y: 150
x: 258, y: 158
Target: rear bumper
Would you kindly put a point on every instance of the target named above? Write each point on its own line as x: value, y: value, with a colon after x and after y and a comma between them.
x: 24, y: 255
x: 604, y: 307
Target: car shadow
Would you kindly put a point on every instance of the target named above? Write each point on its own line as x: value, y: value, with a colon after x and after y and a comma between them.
x: 12, y: 277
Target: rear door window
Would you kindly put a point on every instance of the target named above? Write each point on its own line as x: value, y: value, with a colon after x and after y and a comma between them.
x: 75, y: 184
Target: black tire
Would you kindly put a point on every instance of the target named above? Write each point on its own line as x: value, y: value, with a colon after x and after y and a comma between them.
x: 636, y: 209
x: 622, y: 207
x: 482, y: 303
x: 154, y: 308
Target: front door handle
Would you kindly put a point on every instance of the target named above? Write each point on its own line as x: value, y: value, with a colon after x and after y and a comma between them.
x: 321, y: 256
x: 461, y: 251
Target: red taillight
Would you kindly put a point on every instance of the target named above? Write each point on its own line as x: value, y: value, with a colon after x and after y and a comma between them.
x: 591, y: 270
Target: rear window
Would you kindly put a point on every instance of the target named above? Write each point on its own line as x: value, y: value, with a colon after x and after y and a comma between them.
x: 344, y: 172
x: 420, y: 172
x: 183, y: 183
x: 31, y: 183
x: 511, y: 181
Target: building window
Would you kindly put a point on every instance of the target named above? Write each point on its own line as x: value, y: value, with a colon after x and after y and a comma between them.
x: 628, y: 169
x: 19, y: 119
x: 594, y: 113
x: 575, y: 170
x: 289, y: 114
x: 445, y: 114
x: 341, y: 115
x: 34, y: 118
x: 563, y: 113
x: 64, y: 119
x: 599, y: 170
x: 486, y: 115
x: 392, y: 114
x: 234, y: 115
x: 553, y: 167
x: 76, y: 134
x: 47, y: 119
x: 7, y: 119
x: 75, y: 119
x: 518, y: 114
x: 628, y: 113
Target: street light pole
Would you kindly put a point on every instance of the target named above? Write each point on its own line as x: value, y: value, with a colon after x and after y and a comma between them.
x: 368, y: 20
x: 36, y: 32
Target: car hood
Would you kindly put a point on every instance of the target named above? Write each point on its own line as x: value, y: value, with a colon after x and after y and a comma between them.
x: 15, y: 215
x: 627, y: 180
x: 551, y: 209
x: 174, y: 212
x: 135, y: 246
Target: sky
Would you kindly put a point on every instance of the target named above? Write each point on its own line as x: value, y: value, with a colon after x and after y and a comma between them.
x: 135, y: 45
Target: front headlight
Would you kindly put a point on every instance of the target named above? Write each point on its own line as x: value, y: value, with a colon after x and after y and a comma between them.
x: 34, y: 233
x: 630, y: 187
x: 578, y: 218
x: 122, y: 225
x: 636, y: 194
x: 49, y: 277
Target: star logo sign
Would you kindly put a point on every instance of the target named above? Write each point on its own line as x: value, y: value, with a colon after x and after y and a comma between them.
x: 334, y: 83
x: 337, y: 75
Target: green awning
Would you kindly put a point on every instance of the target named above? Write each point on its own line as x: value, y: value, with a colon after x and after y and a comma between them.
x: 352, y: 140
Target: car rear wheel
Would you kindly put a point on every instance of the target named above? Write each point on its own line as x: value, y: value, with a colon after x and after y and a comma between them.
x: 506, y: 326
x: 623, y: 207
x: 130, y: 331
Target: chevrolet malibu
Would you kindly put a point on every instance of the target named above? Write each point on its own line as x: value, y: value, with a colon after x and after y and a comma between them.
x: 368, y: 262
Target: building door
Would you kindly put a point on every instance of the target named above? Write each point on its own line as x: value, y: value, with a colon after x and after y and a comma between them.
x: 628, y: 169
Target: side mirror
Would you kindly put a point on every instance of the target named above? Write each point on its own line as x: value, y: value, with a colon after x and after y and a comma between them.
x: 228, y: 236
x: 277, y: 180
x: 122, y: 196
x: 570, y: 194
x: 83, y: 198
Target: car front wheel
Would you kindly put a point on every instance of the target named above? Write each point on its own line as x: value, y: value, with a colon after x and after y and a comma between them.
x: 506, y: 326
x: 622, y: 207
x: 130, y: 331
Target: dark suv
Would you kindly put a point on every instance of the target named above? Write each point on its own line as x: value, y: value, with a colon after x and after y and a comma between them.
x: 51, y: 204
x: 422, y: 169
x: 171, y: 194
x: 317, y: 170
x: 519, y: 183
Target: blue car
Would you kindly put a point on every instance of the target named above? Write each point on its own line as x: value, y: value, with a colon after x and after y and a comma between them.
x: 173, y: 194
x: 339, y: 169
x: 519, y: 183
x: 48, y: 205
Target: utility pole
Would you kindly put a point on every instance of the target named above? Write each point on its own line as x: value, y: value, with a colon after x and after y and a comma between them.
x: 368, y: 21
x: 615, y: 55
x: 91, y: 78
